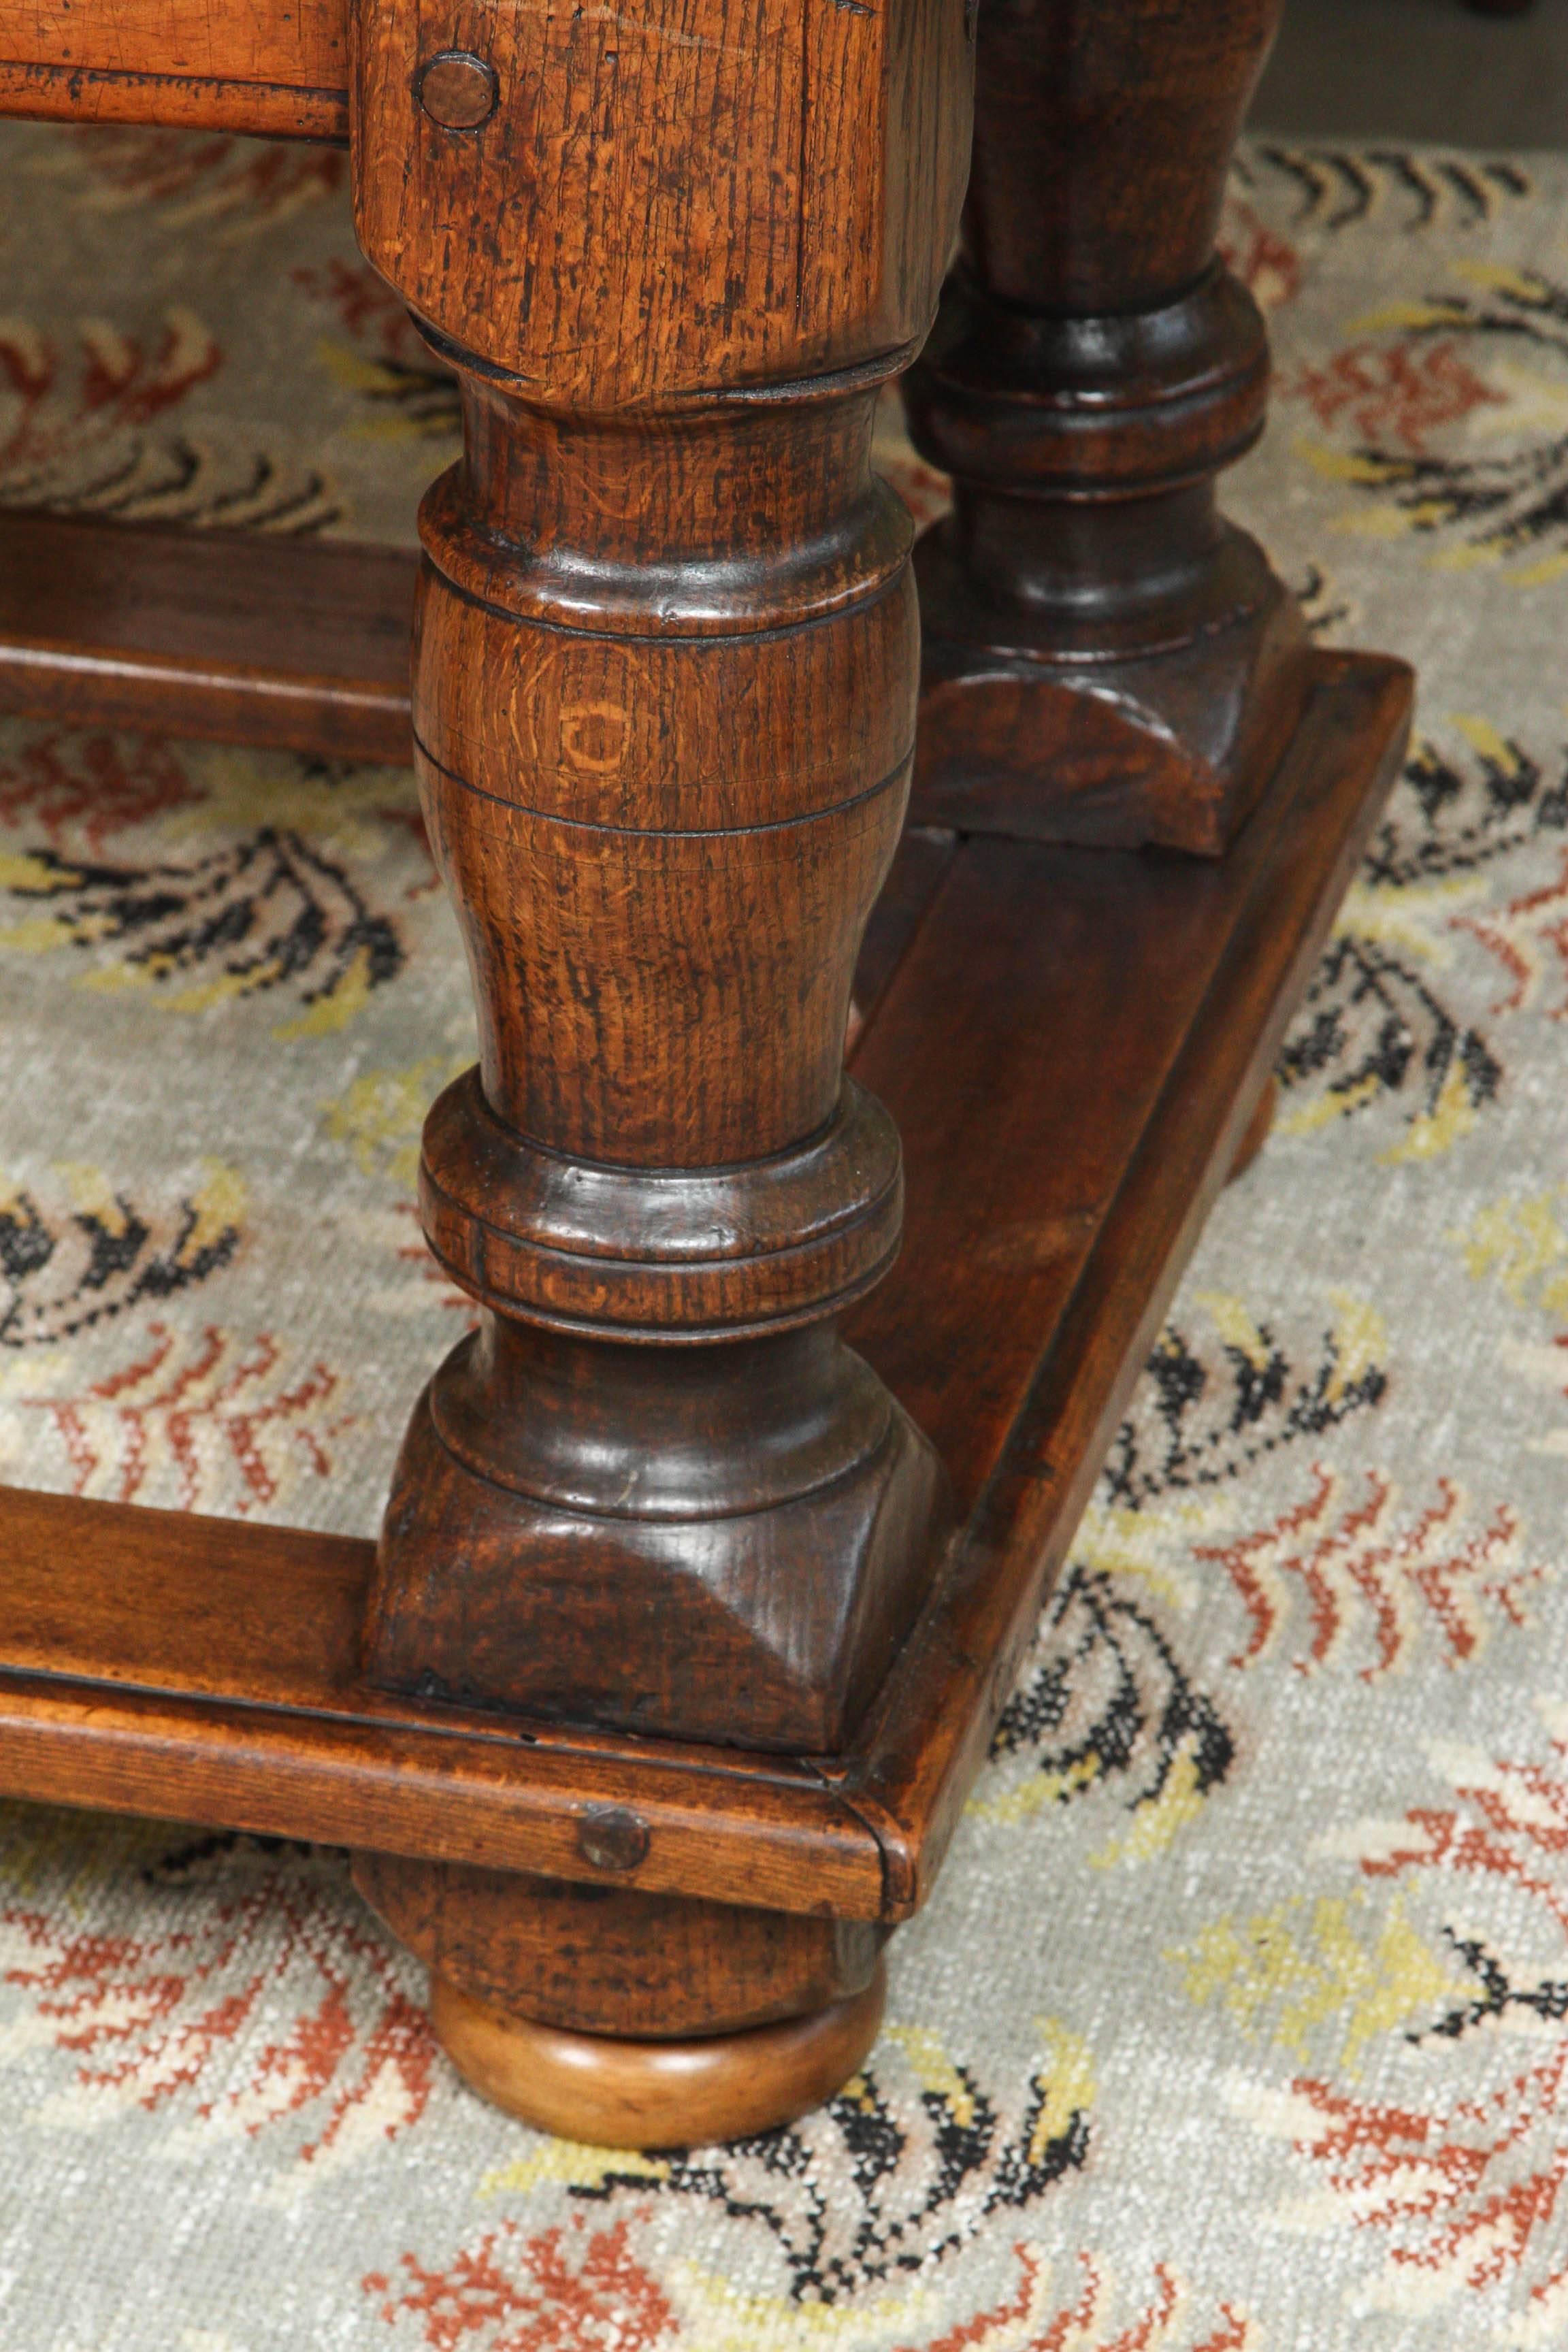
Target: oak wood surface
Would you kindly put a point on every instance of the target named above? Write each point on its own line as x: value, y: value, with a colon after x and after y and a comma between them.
x: 1105, y: 658
x: 296, y: 643
x: 274, y: 65
x: 1027, y: 1470
x: 622, y: 2092
x: 204, y: 1669
x: 778, y: 197
x: 668, y: 1628
x: 665, y: 679
x: 616, y: 1959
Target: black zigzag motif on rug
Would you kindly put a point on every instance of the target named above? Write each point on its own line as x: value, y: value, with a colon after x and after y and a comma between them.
x: 1450, y: 816
x: 1542, y: 2002
x: 1323, y: 607
x: 1205, y: 1411
x: 424, y: 399
x: 1337, y: 187
x: 212, y: 1856
x: 173, y: 481
x: 862, y: 2189
x: 1370, y: 1028
x: 61, y: 1275
x: 265, y: 911
x: 1102, y: 1695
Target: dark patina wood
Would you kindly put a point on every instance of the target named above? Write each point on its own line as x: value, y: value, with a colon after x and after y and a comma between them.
x: 611, y: 1959
x: 1106, y: 659
x: 279, y: 67
x: 663, y: 692
x: 301, y: 645
x: 1084, y: 1246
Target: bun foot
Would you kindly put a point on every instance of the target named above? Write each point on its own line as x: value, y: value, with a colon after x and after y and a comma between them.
x: 605, y: 2093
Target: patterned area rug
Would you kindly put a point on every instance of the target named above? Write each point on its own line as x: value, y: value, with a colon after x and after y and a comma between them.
x: 1240, y: 2019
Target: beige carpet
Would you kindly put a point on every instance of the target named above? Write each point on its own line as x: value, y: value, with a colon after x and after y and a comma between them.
x: 1240, y: 2017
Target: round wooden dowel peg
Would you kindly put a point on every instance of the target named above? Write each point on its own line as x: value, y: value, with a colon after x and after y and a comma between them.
x: 459, y: 91
x: 606, y: 2093
x: 612, y: 1838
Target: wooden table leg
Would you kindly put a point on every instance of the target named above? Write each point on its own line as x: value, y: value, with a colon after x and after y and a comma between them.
x: 664, y: 698
x: 1106, y: 659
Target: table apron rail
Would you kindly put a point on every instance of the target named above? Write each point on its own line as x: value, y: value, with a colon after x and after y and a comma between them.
x: 277, y: 66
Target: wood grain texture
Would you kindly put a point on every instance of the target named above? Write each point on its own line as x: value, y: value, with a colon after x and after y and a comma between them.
x: 664, y: 698
x: 1105, y: 659
x: 663, y: 739
x: 659, y: 1701
x: 273, y: 66
x: 614, y: 1959
x: 920, y: 863
x: 299, y: 645
x: 1032, y: 1446
x: 1104, y: 131
x: 718, y: 193
x: 203, y: 1669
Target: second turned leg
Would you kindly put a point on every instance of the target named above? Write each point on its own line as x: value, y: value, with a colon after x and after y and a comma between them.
x: 1106, y: 659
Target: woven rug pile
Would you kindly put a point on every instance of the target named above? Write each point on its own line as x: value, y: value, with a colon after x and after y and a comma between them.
x: 1239, y: 2021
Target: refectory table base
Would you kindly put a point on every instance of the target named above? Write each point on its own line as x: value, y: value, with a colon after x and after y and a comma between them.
x: 1074, y: 1043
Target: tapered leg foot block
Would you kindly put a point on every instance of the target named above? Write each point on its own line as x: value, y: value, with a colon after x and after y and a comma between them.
x: 607, y: 2093
x: 767, y: 1628
x: 1110, y: 742
x: 655, y: 1490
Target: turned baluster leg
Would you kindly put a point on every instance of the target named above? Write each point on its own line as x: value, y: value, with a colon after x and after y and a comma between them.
x: 664, y: 695
x: 1106, y: 659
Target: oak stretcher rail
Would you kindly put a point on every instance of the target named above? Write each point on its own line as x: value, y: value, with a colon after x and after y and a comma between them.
x: 299, y: 645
